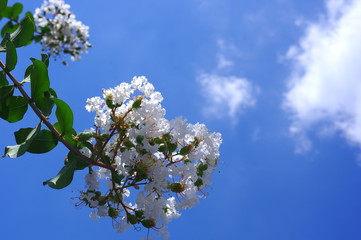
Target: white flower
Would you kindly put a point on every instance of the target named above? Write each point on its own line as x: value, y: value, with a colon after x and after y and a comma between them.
x: 60, y: 32
x: 162, y: 165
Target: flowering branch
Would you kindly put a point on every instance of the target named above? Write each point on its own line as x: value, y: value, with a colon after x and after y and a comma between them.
x: 133, y: 150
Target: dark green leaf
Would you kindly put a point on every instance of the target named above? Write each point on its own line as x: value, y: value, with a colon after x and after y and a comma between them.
x: 64, y: 114
x: 69, y: 136
x: 3, y: 4
x: 9, y: 27
x: 83, y: 137
x: 80, y: 163
x: 11, y: 56
x: 198, y: 183
x: 45, y: 105
x: 24, y: 34
x: 202, y: 167
x: 6, y: 91
x: 28, y: 71
x: 158, y: 140
x: 139, y: 139
x: 3, y: 80
x: 64, y: 177
x: 137, y: 103
x: 162, y: 148
x: 30, y: 15
x: 17, y: 9
x: 172, y: 147
x: 3, y: 43
x: 16, y: 107
x: 45, y: 59
x: 40, y: 83
x: 18, y: 150
x: 185, y: 150
x: 42, y: 143
x: 117, y: 177
x: 128, y: 144
x: 7, y: 12
x: 52, y: 93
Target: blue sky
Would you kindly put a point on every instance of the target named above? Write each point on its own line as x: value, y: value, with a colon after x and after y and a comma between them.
x: 280, y: 80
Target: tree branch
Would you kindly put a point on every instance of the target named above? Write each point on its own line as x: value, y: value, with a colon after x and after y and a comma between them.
x: 49, y: 125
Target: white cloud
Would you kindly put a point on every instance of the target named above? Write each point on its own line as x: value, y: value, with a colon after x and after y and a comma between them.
x: 325, y: 84
x: 224, y: 62
x: 226, y: 95
x: 226, y: 53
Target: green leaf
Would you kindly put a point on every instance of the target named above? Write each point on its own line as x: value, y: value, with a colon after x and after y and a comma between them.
x: 42, y: 143
x: 30, y: 15
x: 45, y: 59
x: 3, y: 80
x: 6, y: 91
x: 162, y: 148
x: 40, y: 87
x: 3, y: 4
x: 11, y: 56
x: 16, y: 107
x: 198, y: 183
x: 64, y: 177
x: 139, y: 139
x: 80, y: 163
x: 64, y: 114
x: 40, y: 82
x: 20, y: 149
x: 171, y: 147
x: 17, y: 9
x: 137, y: 103
x: 7, y: 12
x: 45, y: 105
x: 117, y: 177
x: 129, y: 144
x: 3, y: 43
x: 68, y: 136
x: 24, y: 34
x: 84, y: 136
x: 186, y: 150
x: 9, y: 27
x: 28, y: 71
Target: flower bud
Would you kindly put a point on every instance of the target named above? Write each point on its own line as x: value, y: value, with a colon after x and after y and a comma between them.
x: 177, y: 187
x: 132, y: 219
x: 198, y: 183
x: 148, y: 223
x: 112, y: 212
x: 109, y: 103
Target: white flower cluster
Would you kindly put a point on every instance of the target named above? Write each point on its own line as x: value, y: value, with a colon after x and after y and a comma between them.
x: 60, y: 32
x: 158, y: 166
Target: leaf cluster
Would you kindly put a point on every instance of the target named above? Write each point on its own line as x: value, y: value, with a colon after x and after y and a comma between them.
x: 18, y: 33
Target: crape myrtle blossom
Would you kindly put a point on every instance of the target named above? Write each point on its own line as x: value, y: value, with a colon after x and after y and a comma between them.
x: 159, y: 166
x: 60, y: 32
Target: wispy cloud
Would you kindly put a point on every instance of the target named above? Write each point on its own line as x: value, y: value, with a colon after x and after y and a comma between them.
x: 325, y: 84
x: 226, y: 95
